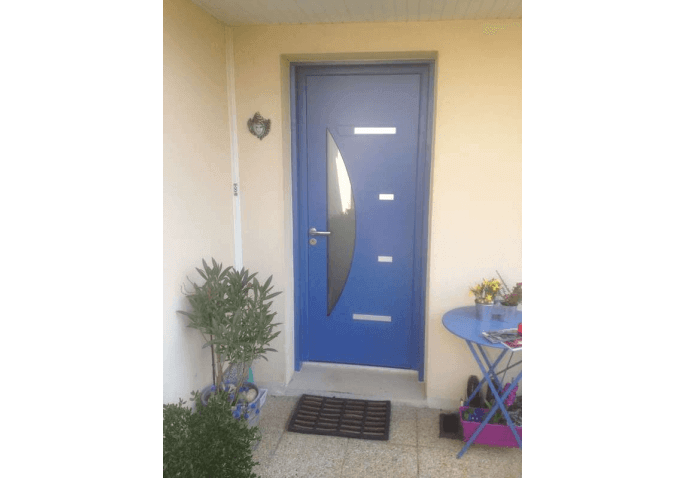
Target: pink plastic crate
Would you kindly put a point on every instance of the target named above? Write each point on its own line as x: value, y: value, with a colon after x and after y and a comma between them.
x: 493, y: 435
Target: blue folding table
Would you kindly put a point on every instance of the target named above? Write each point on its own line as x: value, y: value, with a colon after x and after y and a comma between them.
x: 463, y: 323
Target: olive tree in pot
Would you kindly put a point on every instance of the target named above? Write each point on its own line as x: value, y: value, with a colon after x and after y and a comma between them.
x: 232, y: 312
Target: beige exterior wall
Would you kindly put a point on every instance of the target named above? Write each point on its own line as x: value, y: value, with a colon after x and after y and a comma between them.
x: 476, y: 191
x: 198, y: 207
x: 475, y: 209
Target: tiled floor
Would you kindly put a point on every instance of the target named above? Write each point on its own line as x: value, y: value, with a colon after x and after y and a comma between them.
x: 413, y: 450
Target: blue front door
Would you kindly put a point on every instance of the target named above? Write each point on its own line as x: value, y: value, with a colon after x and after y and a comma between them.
x: 362, y: 156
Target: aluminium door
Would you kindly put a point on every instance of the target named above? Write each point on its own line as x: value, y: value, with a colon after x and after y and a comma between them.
x: 362, y: 161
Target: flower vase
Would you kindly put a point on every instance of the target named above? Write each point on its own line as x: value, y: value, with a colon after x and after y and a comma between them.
x: 484, y: 311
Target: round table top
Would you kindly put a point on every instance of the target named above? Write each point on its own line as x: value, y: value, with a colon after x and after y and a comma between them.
x: 463, y: 323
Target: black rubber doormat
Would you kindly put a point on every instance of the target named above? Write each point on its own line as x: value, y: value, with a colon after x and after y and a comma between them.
x: 341, y: 417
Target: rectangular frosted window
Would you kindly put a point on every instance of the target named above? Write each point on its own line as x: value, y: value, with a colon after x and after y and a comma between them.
x: 386, y: 197
x: 374, y: 130
x: 374, y: 318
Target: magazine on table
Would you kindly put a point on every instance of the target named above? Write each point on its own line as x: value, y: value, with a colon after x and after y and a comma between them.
x: 508, y: 337
x: 514, y: 345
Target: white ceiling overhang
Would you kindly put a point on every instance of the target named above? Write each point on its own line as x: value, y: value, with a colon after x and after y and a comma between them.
x: 264, y: 12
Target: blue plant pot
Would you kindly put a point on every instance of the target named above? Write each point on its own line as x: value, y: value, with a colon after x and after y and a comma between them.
x: 251, y: 409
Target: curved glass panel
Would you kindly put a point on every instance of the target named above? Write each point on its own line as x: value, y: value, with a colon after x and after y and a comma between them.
x: 340, y: 222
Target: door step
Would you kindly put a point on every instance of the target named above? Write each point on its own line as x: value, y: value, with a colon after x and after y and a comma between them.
x: 358, y: 382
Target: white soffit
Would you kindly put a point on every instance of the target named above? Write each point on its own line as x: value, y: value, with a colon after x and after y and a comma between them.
x: 263, y: 12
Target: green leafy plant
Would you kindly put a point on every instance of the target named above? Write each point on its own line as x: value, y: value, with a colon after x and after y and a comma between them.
x: 232, y: 312
x: 472, y: 414
x: 514, y: 297
x: 497, y: 417
x: 486, y: 292
x: 207, y: 443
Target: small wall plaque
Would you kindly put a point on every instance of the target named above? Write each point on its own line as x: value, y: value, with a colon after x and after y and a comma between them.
x: 259, y: 126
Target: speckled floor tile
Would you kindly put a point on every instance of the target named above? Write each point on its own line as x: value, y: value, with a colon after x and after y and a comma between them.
x: 437, y: 462
x: 261, y: 468
x: 482, y: 461
x: 403, y: 429
x: 414, y: 449
x: 379, y: 459
x: 277, y: 411
x: 267, y: 448
x: 428, y: 429
x: 479, y: 461
x: 312, y: 456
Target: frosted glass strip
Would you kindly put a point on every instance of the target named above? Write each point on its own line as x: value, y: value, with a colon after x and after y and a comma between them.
x: 340, y: 222
x: 374, y: 130
x: 374, y: 318
x: 386, y: 197
x: 385, y: 259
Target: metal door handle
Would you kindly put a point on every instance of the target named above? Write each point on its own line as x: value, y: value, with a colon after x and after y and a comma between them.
x: 315, y: 232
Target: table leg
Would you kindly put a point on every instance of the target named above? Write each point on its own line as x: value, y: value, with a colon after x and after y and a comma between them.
x: 483, y: 380
x: 491, y: 368
x: 488, y: 418
x: 498, y: 397
x: 495, y: 364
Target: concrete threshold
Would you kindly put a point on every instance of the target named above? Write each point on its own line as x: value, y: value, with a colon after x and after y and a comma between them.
x: 359, y: 382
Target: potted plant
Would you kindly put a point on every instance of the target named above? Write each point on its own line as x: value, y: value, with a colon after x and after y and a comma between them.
x: 207, y: 442
x: 496, y: 432
x: 232, y: 312
x: 485, y: 295
x: 510, y: 301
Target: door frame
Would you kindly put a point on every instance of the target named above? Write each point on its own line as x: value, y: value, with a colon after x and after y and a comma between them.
x: 426, y: 70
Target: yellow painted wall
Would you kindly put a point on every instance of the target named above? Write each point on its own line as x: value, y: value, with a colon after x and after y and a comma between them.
x: 476, y: 194
x: 198, y: 208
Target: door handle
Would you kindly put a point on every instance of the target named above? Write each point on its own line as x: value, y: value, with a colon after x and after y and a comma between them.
x: 315, y: 232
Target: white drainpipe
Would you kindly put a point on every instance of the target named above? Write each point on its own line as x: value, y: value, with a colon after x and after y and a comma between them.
x: 233, y: 131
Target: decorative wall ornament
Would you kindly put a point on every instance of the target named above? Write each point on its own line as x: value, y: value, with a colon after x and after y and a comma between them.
x: 259, y: 126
